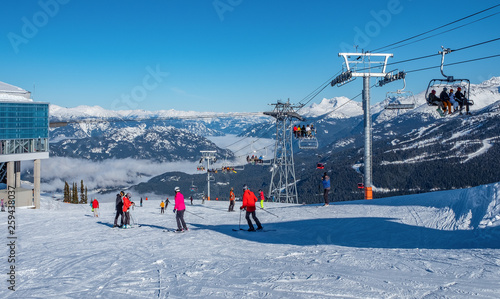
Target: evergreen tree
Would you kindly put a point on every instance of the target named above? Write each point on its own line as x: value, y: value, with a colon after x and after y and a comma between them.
x: 66, y: 192
x: 75, y: 193
x: 86, y: 198
x: 82, y: 192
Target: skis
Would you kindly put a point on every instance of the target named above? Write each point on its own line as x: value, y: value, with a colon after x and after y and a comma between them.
x: 252, y: 231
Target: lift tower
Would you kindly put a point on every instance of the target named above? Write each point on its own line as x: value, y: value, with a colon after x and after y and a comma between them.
x: 208, y: 156
x: 364, y: 65
x: 283, y: 183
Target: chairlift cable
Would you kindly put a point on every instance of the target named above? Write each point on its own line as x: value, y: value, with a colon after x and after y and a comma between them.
x: 439, y: 27
x: 432, y: 55
x: 478, y: 44
x: 455, y: 28
x: 454, y: 63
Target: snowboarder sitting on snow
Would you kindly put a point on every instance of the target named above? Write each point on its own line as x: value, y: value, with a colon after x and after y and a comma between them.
x: 119, y: 209
x: 249, y: 200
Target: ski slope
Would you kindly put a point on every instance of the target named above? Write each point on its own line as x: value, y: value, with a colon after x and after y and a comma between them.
x: 436, y: 245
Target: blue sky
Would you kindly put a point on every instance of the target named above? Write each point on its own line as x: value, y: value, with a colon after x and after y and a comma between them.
x: 225, y: 55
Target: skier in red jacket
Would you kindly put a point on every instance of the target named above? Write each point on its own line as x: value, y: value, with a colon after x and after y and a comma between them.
x: 95, y: 207
x: 249, y: 200
x: 126, y: 214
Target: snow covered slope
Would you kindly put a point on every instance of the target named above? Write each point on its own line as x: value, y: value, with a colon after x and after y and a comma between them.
x: 434, y: 245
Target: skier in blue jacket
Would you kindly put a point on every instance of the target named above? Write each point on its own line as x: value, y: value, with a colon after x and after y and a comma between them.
x: 325, y: 179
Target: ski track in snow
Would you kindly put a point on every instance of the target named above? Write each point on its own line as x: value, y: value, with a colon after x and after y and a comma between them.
x: 435, y: 245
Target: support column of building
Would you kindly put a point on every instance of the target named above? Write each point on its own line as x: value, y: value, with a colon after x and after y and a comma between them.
x: 17, y: 170
x: 11, y: 178
x: 36, y: 183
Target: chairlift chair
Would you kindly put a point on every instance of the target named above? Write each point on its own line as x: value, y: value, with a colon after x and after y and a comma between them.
x: 400, y: 99
x: 320, y: 166
x: 450, y: 83
x: 193, y: 188
x: 308, y: 142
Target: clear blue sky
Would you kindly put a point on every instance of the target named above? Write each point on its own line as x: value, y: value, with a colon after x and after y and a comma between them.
x: 224, y: 55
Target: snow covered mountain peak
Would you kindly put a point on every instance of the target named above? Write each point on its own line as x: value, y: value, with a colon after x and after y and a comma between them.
x: 337, y: 107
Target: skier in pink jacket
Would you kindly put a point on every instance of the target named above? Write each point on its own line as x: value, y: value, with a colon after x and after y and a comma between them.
x: 179, y: 209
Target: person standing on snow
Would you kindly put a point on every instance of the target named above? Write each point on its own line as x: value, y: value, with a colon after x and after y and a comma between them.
x: 95, y: 207
x: 325, y: 179
x: 191, y: 200
x: 166, y: 203
x: 3, y: 206
x: 231, y: 200
x: 162, y: 207
x: 126, y: 210
x: 119, y: 209
x: 141, y: 201
x: 262, y: 198
x: 249, y: 201
x: 179, y: 209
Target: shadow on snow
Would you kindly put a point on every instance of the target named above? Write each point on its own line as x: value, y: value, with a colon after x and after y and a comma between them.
x: 364, y: 233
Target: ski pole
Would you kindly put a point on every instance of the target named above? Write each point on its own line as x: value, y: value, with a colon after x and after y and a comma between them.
x: 239, y: 224
x: 194, y: 214
x: 269, y: 212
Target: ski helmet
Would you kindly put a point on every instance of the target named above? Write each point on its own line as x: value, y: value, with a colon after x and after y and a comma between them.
x: 177, y: 189
x: 245, y: 187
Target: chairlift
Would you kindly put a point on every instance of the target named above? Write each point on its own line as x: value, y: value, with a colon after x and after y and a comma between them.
x: 308, y: 142
x: 259, y: 160
x: 361, y: 186
x: 400, y: 99
x: 193, y: 188
x: 449, y: 82
x: 200, y: 168
x: 320, y: 166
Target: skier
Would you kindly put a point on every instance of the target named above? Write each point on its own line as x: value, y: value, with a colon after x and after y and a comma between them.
x: 119, y: 209
x: 262, y: 198
x: 3, y: 206
x: 325, y: 179
x: 191, y: 200
x: 445, y: 98
x: 231, y: 200
x: 166, y: 203
x: 453, y: 102
x: 460, y: 98
x: 179, y: 209
x: 141, y: 201
x: 162, y: 207
x: 249, y: 201
x: 126, y: 210
x: 95, y: 207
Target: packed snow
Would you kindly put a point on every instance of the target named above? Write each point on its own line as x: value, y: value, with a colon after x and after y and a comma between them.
x: 437, y: 245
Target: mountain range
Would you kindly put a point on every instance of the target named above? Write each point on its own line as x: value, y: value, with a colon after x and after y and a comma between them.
x: 414, y: 150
